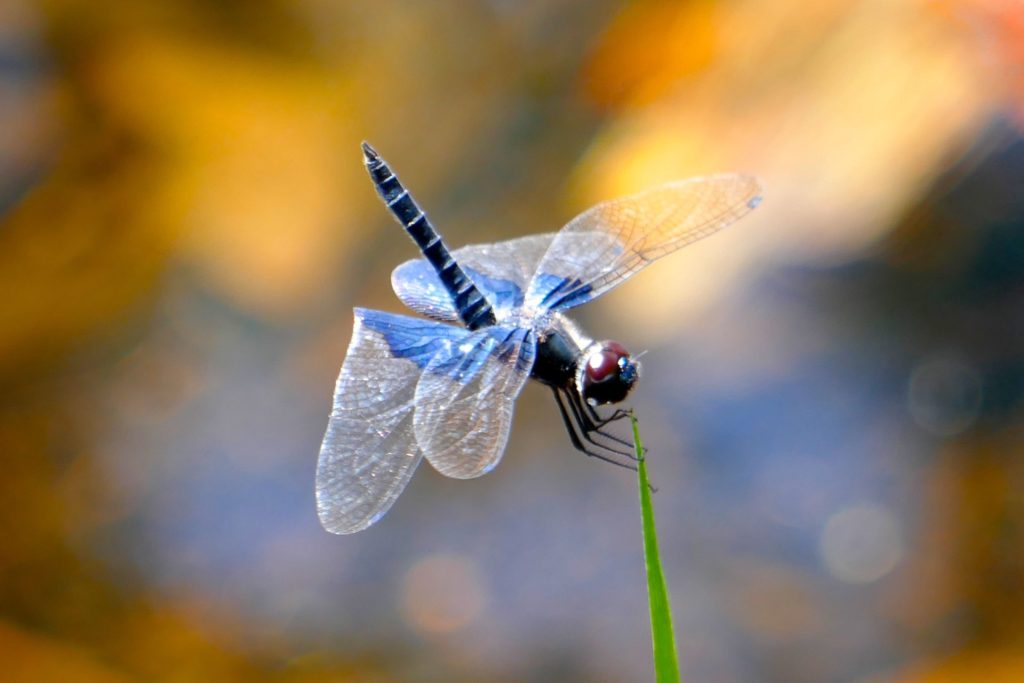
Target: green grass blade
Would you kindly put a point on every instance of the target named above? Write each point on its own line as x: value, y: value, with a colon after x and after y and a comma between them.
x: 666, y: 664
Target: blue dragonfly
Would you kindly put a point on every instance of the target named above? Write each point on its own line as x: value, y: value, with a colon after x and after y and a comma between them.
x: 445, y: 387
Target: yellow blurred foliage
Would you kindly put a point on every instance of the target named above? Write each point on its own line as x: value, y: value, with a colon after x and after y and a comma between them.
x: 648, y: 48
x: 790, y: 86
x: 256, y: 147
x: 970, y: 667
x: 30, y: 658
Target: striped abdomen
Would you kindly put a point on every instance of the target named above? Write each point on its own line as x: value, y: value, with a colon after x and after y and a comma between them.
x: 473, y: 308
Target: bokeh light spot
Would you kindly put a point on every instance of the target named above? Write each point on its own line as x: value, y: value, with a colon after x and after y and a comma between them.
x: 442, y: 593
x: 861, y: 544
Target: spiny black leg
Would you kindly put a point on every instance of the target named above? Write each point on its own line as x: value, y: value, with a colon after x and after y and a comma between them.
x: 593, y: 419
x: 602, y: 421
x: 569, y: 425
x: 587, y: 425
x: 587, y: 428
x: 578, y: 444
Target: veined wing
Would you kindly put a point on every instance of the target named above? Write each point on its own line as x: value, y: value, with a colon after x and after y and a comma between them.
x: 369, y: 452
x: 501, y: 271
x: 613, y: 240
x: 465, y: 399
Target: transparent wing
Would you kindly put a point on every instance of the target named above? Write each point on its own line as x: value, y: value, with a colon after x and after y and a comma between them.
x: 369, y: 452
x: 501, y: 271
x: 613, y: 240
x: 465, y: 399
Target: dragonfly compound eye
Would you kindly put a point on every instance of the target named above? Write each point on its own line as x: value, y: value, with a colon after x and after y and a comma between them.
x: 608, y: 373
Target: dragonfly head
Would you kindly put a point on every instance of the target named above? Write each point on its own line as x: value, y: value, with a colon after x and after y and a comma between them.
x: 608, y: 373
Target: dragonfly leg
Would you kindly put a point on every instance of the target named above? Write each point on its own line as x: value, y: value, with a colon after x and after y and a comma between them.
x: 588, y: 428
x: 602, y: 421
x: 578, y: 444
x: 587, y: 424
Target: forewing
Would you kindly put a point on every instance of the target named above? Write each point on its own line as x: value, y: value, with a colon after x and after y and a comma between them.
x: 501, y: 271
x: 613, y: 240
x: 369, y: 452
x: 465, y: 400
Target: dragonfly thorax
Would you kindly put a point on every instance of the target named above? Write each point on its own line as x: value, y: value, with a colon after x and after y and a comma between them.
x: 607, y: 373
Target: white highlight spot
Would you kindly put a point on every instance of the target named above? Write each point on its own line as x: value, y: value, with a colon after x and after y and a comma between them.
x: 443, y: 593
x: 861, y: 544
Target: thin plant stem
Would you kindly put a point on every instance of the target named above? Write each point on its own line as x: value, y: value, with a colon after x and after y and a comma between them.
x: 666, y: 664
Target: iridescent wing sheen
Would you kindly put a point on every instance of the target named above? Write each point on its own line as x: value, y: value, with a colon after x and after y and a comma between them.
x: 369, y: 451
x: 612, y: 241
x: 465, y: 399
x: 501, y: 271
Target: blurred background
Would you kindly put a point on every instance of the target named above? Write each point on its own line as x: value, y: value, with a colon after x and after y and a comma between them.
x: 834, y: 387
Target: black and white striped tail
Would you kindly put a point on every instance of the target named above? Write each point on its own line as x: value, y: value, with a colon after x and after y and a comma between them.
x: 473, y: 308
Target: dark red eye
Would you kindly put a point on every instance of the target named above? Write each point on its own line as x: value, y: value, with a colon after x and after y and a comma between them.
x: 608, y: 374
x: 601, y: 365
x: 615, y: 347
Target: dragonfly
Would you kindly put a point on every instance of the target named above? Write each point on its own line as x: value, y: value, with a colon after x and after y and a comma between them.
x: 444, y: 386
